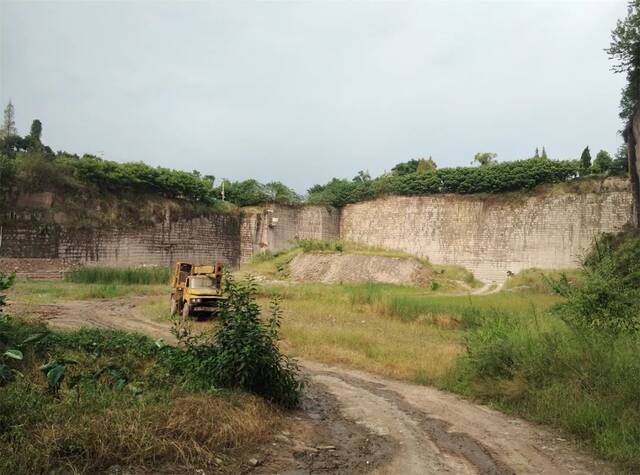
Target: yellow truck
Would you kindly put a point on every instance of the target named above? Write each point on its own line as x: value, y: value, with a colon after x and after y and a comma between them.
x: 196, y: 289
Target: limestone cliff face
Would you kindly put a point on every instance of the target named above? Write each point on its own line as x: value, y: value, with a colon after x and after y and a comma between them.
x: 201, y: 239
x: 493, y: 234
x: 550, y: 227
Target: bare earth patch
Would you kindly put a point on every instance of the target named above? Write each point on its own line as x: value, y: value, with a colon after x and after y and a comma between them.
x: 333, y: 268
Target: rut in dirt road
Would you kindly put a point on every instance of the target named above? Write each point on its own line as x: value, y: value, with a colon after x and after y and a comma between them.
x: 438, y: 432
x: 412, y: 429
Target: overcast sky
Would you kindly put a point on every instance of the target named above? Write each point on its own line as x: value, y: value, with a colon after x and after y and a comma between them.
x: 304, y: 91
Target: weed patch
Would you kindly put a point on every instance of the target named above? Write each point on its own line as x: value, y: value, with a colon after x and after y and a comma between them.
x: 48, y: 291
x: 120, y: 275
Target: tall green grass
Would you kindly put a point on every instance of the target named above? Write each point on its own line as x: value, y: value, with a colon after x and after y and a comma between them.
x: 586, y: 383
x: 535, y: 280
x: 120, y: 275
x: 409, y: 303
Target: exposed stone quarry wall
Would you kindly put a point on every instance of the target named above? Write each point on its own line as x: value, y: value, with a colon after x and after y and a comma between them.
x: 492, y: 234
x: 203, y: 239
x: 33, y: 233
x: 489, y: 235
x: 277, y: 226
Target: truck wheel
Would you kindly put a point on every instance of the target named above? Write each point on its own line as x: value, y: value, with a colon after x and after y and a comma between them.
x: 174, y: 307
x: 186, y: 310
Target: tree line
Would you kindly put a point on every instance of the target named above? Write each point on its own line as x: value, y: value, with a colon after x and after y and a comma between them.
x: 27, y: 163
x: 423, y: 177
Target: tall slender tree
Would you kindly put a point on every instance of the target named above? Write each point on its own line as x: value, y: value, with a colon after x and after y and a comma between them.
x: 585, y: 160
x: 9, y: 121
x: 36, y: 131
x: 625, y: 51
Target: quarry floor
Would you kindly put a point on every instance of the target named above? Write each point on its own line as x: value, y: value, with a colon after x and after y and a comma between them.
x: 356, y: 422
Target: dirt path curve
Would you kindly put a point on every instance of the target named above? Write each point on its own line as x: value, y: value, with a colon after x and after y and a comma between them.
x: 373, y: 424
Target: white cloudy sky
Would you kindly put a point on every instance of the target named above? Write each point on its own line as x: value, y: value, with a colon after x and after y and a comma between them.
x: 304, y: 91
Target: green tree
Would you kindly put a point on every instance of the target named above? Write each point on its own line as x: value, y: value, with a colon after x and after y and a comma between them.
x: 537, y: 154
x: 280, y: 193
x: 363, y: 175
x: 620, y: 164
x: 426, y: 165
x: 585, y: 161
x: 9, y: 122
x: 625, y: 49
x: 36, y: 131
x: 544, y: 154
x: 485, y: 158
x: 404, y: 168
x: 602, y: 162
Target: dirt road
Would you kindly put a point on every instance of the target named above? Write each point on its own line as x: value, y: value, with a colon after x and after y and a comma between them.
x: 354, y: 422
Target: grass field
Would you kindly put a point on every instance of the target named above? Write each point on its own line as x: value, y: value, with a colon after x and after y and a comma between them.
x: 50, y: 291
x: 401, y: 332
x: 507, y: 349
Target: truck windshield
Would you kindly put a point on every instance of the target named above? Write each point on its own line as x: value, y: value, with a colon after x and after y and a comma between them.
x: 201, y: 283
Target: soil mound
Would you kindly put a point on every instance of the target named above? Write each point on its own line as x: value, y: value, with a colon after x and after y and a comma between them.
x: 335, y: 268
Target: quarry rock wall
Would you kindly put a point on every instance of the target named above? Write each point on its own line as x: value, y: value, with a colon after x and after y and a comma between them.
x: 490, y: 235
x: 202, y: 239
x: 493, y: 234
x: 276, y: 227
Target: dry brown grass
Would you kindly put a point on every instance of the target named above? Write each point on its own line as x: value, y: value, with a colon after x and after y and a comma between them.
x: 195, y: 431
x: 339, y: 333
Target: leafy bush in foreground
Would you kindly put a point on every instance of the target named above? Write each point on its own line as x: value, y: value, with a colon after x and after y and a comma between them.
x: 242, y: 353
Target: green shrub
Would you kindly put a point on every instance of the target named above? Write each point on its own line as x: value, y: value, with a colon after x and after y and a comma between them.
x: 507, y: 176
x: 310, y: 245
x: 120, y: 275
x: 263, y: 256
x: 242, y: 352
x: 609, y: 297
x: 6, y: 281
x: 587, y: 383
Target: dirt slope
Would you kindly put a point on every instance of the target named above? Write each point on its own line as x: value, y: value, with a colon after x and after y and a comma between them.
x: 336, y: 268
x: 354, y: 422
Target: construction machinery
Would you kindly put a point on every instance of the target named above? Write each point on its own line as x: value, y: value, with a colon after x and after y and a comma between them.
x: 196, y: 289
